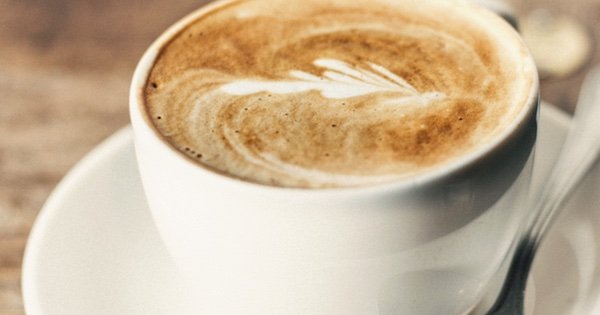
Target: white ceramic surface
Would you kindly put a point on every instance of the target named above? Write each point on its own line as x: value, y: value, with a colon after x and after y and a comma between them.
x: 94, y: 248
x: 368, y: 249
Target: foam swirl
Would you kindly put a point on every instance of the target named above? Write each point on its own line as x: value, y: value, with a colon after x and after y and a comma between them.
x: 332, y: 93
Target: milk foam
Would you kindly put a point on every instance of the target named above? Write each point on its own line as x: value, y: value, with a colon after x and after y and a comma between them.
x: 328, y: 93
x: 339, y: 81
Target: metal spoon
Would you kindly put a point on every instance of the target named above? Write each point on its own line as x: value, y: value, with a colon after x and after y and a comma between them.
x: 578, y: 154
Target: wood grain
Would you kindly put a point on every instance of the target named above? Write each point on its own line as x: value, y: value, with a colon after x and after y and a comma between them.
x: 65, y: 68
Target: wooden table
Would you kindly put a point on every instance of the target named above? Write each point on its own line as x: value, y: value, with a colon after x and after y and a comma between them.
x: 65, y: 68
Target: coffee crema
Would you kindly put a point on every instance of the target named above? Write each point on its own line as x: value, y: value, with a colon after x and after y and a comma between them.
x: 334, y: 93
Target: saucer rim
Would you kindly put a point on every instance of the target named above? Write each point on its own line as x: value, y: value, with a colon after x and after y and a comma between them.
x: 104, y: 151
x: 52, y: 206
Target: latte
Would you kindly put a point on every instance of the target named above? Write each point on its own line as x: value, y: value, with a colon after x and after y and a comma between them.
x: 334, y: 93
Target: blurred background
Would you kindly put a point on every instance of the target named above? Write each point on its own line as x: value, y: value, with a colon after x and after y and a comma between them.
x: 65, y: 68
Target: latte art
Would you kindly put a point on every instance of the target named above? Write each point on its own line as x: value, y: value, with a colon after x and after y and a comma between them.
x: 333, y: 93
x: 338, y: 82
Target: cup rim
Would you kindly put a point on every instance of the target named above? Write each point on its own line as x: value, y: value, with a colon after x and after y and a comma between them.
x: 436, y: 174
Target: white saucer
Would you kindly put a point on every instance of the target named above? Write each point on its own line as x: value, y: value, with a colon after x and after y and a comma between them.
x: 94, y: 248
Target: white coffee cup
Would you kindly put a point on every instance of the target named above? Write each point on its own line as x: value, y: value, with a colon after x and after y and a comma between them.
x: 427, y: 245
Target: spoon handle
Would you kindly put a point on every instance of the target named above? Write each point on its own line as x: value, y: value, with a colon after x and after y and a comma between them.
x: 577, y: 156
x: 579, y: 152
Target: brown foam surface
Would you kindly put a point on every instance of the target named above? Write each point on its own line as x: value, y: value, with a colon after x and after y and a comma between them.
x: 332, y: 93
